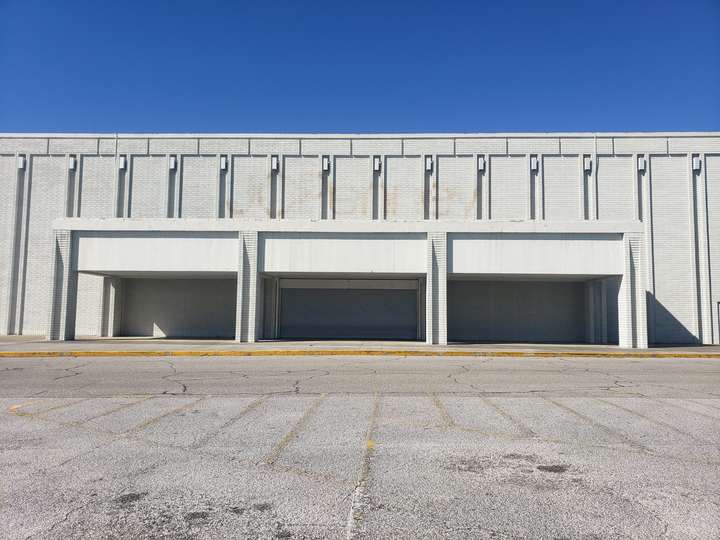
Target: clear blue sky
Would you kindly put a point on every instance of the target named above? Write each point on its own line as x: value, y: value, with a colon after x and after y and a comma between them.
x: 364, y: 66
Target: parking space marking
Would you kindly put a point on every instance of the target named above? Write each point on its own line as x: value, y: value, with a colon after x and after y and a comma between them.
x: 111, y: 411
x: 356, y: 511
x: 704, y: 403
x: 502, y: 412
x: 594, y: 423
x: 176, y: 410
x: 443, y: 412
x: 274, y: 454
x: 247, y: 409
x: 16, y: 409
x: 685, y: 409
x: 655, y: 421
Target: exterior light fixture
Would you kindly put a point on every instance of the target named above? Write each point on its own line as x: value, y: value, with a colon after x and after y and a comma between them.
x: 121, y: 163
x: 71, y: 163
x: 223, y: 163
x: 481, y: 163
x: 172, y: 163
x: 21, y: 162
x: 533, y: 163
x: 428, y: 163
x: 587, y: 164
x: 325, y: 164
x: 641, y: 164
x: 377, y: 164
x: 274, y: 164
x: 696, y: 163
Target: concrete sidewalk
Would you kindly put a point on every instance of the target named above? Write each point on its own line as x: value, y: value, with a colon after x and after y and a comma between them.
x: 22, y: 346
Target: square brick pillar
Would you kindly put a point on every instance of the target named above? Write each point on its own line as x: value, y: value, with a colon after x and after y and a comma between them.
x: 247, y: 289
x: 436, y: 289
x: 632, y: 303
x: 63, y: 289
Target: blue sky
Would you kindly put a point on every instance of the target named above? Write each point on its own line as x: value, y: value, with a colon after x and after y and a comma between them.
x: 283, y: 66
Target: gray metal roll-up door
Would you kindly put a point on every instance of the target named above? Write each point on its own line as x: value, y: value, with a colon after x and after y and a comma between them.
x: 348, y: 313
x: 516, y: 311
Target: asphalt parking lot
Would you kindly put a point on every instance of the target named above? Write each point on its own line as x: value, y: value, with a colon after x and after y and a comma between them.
x: 359, y: 447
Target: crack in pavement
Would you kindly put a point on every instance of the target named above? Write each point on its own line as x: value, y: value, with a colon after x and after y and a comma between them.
x: 72, y: 372
x: 64, y: 519
x: 183, y: 386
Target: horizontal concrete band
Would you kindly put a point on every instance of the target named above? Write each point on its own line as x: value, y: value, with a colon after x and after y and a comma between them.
x: 359, y: 144
x: 356, y: 352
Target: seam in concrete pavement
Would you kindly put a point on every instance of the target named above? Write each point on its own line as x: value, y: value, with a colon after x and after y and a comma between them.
x: 274, y: 454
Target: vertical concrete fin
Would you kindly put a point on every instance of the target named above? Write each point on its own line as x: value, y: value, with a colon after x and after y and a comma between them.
x: 9, y: 258
x: 247, y: 289
x: 632, y: 302
x: 702, y: 253
x: 436, y: 289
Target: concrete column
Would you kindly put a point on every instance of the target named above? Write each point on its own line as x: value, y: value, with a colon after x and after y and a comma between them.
x: 247, y: 289
x: 10, y: 246
x: 696, y: 328
x: 632, y: 310
x: 436, y: 289
x: 703, y: 255
x: 63, y: 299
x: 645, y: 214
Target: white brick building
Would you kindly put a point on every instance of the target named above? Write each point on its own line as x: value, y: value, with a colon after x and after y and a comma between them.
x: 568, y: 237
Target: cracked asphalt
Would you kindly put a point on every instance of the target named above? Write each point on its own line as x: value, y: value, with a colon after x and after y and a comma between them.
x: 359, y: 447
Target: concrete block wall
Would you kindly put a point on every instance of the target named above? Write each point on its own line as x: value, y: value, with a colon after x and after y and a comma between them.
x: 710, y: 183
x: 436, y: 289
x: 576, y: 177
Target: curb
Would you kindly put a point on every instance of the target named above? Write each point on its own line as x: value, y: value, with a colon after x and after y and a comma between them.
x: 354, y: 352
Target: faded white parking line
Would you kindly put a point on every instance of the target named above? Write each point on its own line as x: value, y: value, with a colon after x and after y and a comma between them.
x: 292, y: 434
x: 357, y: 502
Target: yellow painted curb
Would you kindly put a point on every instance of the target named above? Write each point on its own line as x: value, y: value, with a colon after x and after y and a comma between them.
x: 354, y: 352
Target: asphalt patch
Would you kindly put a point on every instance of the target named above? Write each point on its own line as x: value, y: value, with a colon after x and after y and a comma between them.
x: 470, y: 465
x: 553, y: 468
x: 194, y: 516
x: 520, y: 457
x: 129, y: 498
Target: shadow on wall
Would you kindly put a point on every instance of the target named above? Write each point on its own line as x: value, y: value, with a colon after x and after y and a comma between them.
x: 664, y: 328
